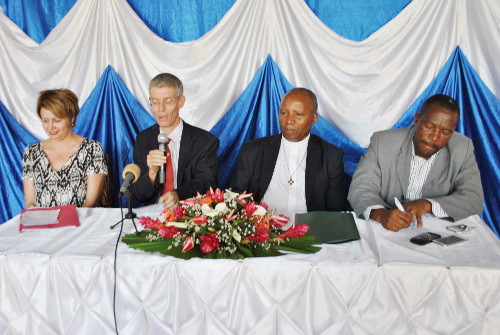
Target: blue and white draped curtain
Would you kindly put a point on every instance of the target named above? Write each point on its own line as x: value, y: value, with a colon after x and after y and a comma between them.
x: 370, y: 64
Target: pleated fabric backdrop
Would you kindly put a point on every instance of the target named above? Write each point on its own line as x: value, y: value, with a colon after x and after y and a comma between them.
x: 371, y: 65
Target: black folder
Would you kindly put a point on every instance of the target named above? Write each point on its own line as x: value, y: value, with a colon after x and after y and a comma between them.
x: 330, y: 227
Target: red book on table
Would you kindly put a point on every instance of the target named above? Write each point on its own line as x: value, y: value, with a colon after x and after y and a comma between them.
x: 67, y: 217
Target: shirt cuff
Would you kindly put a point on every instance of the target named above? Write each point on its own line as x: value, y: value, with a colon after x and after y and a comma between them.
x: 437, y: 210
x: 368, y: 210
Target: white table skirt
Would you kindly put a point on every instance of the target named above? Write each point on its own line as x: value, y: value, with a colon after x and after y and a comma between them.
x: 60, y: 281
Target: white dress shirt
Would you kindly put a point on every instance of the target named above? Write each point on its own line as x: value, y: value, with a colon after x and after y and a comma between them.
x: 289, y: 198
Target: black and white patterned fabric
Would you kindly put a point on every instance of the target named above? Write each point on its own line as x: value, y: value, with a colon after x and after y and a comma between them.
x: 69, y: 184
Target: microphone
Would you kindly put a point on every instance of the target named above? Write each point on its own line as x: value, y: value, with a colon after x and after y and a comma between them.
x: 130, y: 175
x: 162, y: 145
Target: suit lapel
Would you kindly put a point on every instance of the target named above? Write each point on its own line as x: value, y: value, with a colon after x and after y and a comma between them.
x: 312, y: 163
x: 184, y: 152
x: 269, y: 162
x: 403, y: 162
x: 440, y: 165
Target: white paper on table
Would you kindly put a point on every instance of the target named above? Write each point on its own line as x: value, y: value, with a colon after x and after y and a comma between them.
x: 153, y: 211
x: 38, y: 218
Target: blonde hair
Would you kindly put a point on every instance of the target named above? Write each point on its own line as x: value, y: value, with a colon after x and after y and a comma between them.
x: 63, y: 103
x: 167, y: 80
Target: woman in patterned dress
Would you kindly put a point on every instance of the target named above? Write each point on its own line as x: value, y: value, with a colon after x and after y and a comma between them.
x: 66, y: 168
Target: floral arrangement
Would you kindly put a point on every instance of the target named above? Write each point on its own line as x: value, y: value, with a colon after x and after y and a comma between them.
x: 221, y: 225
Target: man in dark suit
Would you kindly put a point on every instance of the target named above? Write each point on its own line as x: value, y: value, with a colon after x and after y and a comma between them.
x: 427, y: 166
x: 295, y: 171
x: 192, y: 151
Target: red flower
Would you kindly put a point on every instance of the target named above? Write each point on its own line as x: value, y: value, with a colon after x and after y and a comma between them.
x: 250, y: 208
x: 179, y: 212
x: 260, y: 236
x: 209, y: 243
x: 296, y: 231
x: 149, y: 223
x: 188, y: 244
x: 168, y: 232
x: 263, y: 204
x: 200, y: 219
x: 216, y: 195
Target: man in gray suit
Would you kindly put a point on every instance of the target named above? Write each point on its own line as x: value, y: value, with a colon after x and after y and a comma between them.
x: 428, y: 166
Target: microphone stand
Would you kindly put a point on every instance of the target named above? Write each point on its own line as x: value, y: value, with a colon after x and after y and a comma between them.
x: 130, y: 214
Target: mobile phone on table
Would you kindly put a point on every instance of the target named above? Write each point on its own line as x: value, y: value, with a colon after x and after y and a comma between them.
x: 424, y: 238
x: 449, y: 240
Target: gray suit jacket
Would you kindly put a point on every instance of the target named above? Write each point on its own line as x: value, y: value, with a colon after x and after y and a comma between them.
x: 384, y: 171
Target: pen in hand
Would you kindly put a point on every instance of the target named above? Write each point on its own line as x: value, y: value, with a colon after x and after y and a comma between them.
x: 402, y: 209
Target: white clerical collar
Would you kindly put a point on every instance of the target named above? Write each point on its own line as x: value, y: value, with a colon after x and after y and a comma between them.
x: 298, y: 144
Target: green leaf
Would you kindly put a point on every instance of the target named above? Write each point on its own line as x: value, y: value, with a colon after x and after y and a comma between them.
x: 245, y: 250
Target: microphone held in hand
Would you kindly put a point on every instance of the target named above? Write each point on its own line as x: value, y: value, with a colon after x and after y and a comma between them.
x: 130, y: 175
x: 162, y: 145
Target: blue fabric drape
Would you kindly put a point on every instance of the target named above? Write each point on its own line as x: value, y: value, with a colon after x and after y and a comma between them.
x: 188, y: 20
x: 254, y: 115
x: 479, y: 120
x: 112, y: 116
x: 36, y: 18
x: 356, y: 19
x: 180, y: 21
x: 14, y: 140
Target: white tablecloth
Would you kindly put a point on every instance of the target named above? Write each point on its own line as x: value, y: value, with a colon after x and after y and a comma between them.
x: 60, y: 281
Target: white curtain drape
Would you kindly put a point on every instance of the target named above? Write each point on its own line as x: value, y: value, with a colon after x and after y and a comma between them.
x: 362, y: 86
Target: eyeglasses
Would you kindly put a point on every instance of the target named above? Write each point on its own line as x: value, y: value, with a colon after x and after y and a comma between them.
x: 167, y: 102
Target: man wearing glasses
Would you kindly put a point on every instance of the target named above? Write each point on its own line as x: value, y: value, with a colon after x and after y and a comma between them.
x: 190, y: 161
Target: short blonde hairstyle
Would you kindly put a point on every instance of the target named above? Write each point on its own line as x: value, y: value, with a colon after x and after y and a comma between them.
x: 167, y: 80
x: 63, y: 103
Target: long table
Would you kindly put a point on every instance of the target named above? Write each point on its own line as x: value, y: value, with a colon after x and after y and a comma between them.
x: 60, y: 281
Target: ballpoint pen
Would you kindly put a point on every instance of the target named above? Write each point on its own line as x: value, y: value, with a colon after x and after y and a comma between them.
x: 402, y: 209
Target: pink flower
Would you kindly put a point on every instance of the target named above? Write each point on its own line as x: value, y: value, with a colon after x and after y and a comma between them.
x: 296, y: 231
x: 216, y: 195
x: 260, y: 236
x: 231, y: 216
x: 241, y: 199
x: 149, y: 223
x: 188, y: 202
x: 263, y: 204
x: 168, y: 232
x: 200, y: 219
x: 250, y: 208
x: 188, y: 244
x: 209, y: 243
x: 279, y: 220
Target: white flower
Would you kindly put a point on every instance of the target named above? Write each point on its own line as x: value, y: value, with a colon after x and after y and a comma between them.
x: 210, y: 211
x: 231, y: 195
x: 180, y: 225
x: 236, y: 236
x: 221, y: 207
x: 260, y: 210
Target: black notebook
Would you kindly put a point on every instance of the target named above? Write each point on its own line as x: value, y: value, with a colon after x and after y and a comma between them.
x: 330, y: 227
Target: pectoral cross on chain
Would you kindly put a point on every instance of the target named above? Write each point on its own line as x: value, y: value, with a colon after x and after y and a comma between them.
x: 291, y: 181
